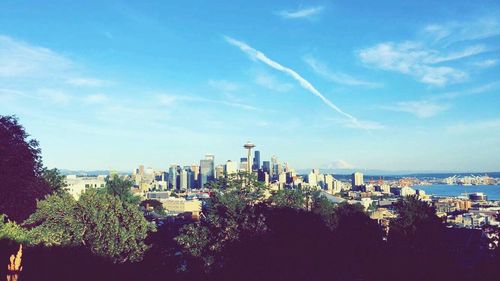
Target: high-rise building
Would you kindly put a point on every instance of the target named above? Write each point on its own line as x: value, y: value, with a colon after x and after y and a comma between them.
x: 266, y: 166
x: 207, y: 170
x: 230, y: 167
x: 172, y: 177
x: 243, y: 163
x: 357, y: 180
x: 196, y: 174
x: 256, y: 161
x: 219, y: 171
x: 183, y: 179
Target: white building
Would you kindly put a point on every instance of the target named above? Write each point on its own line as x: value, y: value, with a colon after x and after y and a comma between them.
x: 357, y: 179
x: 230, y: 167
x: 78, y: 185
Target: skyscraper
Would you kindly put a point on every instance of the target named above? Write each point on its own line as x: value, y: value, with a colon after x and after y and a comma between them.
x: 256, y: 161
x: 357, y: 179
x: 230, y: 167
x: 183, y: 179
x: 266, y: 166
x: 172, y: 177
x: 207, y: 170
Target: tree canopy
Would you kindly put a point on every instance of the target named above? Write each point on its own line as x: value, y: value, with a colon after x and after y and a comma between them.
x: 21, y: 168
x: 100, y: 222
x: 121, y: 188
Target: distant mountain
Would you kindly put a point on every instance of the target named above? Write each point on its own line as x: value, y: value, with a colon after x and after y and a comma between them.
x: 88, y: 173
x: 409, y: 173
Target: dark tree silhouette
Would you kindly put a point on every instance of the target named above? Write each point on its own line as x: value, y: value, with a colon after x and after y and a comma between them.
x: 21, y: 181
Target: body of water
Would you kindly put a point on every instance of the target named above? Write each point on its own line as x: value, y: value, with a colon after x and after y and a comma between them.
x: 492, y: 191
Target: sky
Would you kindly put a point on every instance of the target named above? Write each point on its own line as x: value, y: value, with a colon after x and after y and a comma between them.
x: 387, y: 85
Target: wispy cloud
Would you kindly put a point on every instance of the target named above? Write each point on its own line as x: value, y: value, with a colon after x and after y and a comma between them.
x: 337, y: 77
x: 20, y: 59
x: 464, y: 127
x: 95, y: 98
x: 55, y: 96
x: 472, y: 91
x: 224, y: 85
x: 301, y: 13
x: 455, y: 31
x: 170, y: 100
x: 487, y: 63
x: 412, y: 58
x: 421, y: 109
x: 270, y: 82
x: 257, y: 55
x: 87, y: 82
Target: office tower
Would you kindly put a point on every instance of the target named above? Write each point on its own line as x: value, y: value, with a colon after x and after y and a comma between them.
x: 249, y: 147
x: 256, y: 161
x: 243, y: 164
x: 274, y: 167
x: 312, y: 179
x: 357, y: 179
x: 141, y: 170
x: 207, y: 170
x: 196, y: 174
x: 266, y: 166
x: 219, y: 171
x: 263, y: 176
x: 230, y: 168
x: 183, y: 179
x: 172, y: 177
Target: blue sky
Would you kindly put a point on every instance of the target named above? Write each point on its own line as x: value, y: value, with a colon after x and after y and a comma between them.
x: 392, y: 85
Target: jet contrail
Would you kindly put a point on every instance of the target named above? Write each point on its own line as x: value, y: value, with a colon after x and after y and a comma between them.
x: 255, y: 54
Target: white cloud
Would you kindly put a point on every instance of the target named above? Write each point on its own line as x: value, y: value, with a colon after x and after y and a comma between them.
x: 337, y: 77
x: 421, y: 109
x: 257, y: 55
x: 224, y: 85
x: 491, y: 125
x: 54, y: 96
x: 270, y: 82
x: 87, y: 82
x: 169, y: 100
x: 301, y: 13
x: 19, y: 59
x: 414, y: 59
x: 487, y: 63
x: 455, y: 31
x: 96, y: 98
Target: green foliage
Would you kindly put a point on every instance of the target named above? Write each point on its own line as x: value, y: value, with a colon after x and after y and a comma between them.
x: 12, y: 231
x: 20, y: 171
x: 55, y: 180
x: 53, y: 223
x: 231, y: 212
x: 121, y: 188
x: 325, y: 209
x: 98, y: 221
x: 293, y: 198
x: 416, y: 225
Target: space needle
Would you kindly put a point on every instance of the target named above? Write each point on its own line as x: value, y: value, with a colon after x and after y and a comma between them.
x: 249, y: 147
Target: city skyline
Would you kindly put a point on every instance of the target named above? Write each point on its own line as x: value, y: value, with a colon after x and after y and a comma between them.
x: 319, y: 85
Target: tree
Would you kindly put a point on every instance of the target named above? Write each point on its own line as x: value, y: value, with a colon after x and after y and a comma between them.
x: 232, y: 210
x: 417, y: 225
x: 55, y: 180
x: 100, y: 222
x: 121, y: 188
x: 21, y: 181
x: 288, y: 197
